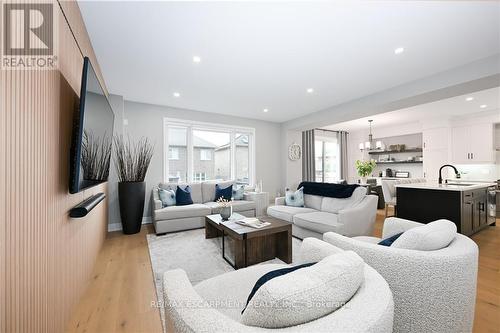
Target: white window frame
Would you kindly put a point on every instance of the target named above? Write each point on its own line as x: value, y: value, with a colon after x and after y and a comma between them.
x: 205, y: 126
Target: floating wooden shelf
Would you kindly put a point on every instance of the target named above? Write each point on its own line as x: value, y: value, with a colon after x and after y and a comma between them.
x: 399, y: 162
x: 380, y: 152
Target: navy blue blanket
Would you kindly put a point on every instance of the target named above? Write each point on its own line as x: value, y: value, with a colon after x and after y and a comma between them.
x: 328, y: 189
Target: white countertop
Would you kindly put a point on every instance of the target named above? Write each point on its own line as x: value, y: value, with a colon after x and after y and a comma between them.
x: 447, y: 187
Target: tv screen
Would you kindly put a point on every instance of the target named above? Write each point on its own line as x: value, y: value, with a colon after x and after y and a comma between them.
x: 92, y: 134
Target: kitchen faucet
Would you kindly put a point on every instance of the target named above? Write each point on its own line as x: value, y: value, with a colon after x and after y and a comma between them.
x: 457, y: 174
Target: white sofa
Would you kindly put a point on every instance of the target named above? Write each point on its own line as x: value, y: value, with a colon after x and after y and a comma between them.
x: 352, y: 216
x: 177, y: 218
x: 434, y: 291
x: 215, y: 305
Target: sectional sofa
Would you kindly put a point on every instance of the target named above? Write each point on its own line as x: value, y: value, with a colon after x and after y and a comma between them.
x: 177, y: 218
x: 353, y: 216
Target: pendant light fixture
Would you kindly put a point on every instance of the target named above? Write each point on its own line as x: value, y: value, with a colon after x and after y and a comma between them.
x: 368, y: 145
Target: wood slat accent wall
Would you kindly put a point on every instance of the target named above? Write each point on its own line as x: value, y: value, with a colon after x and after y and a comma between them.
x: 46, y: 258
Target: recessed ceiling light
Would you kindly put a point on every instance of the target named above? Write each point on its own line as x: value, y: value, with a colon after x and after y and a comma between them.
x: 265, y: 110
x: 196, y: 59
x: 399, y: 50
x: 468, y: 99
x: 176, y: 94
x: 483, y: 106
x: 310, y: 90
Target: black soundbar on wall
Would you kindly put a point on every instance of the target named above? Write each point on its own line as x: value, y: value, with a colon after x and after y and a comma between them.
x: 84, y: 207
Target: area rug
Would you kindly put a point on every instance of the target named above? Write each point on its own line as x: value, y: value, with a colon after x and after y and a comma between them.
x: 189, y: 250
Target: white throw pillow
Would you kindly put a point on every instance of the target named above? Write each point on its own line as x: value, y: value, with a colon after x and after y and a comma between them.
x: 307, y: 293
x: 429, y: 237
x: 294, y: 199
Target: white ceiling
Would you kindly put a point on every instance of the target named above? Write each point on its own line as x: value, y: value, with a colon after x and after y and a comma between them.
x: 450, y: 107
x: 257, y: 55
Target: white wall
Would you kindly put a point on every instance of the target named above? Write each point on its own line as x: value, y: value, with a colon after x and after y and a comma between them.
x: 147, y: 120
x: 292, y: 170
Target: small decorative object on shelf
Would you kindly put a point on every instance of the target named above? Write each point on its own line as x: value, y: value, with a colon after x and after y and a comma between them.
x: 398, y: 147
x: 365, y: 168
x: 226, y: 210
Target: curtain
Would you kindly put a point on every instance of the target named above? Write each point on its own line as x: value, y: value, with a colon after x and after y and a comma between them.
x: 342, y: 137
x: 308, y: 165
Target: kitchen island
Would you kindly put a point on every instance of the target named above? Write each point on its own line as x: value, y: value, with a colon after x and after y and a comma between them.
x: 471, y: 206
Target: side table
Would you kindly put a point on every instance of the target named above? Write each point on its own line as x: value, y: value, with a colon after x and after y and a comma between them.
x: 261, y: 201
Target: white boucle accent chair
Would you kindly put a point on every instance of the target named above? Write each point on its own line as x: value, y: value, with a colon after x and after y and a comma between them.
x: 207, y: 307
x: 434, y: 291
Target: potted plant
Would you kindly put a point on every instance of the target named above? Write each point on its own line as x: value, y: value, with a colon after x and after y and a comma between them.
x: 365, y: 168
x: 132, y: 163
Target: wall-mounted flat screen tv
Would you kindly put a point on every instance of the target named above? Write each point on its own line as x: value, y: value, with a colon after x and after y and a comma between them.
x: 92, y: 134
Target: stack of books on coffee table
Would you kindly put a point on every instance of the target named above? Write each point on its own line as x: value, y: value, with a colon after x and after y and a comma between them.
x: 253, y: 222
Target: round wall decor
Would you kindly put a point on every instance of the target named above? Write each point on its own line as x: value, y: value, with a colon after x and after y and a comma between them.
x: 294, y: 152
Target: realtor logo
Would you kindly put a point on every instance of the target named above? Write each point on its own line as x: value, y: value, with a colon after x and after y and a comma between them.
x: 28, y: 35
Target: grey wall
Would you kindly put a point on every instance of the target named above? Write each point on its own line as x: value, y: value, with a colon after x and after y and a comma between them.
x: 147, y: 120
x: 113, y: 205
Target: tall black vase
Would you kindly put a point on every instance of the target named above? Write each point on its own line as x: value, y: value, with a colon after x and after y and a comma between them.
x: 131, y: 196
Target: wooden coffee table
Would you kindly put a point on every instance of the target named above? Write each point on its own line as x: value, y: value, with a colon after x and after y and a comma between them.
x: 251, y: 246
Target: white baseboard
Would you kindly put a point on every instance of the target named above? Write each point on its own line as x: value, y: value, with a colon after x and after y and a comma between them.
x: 118, y: 226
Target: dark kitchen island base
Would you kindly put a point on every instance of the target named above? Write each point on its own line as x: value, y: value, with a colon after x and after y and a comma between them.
x: 425, y: 205
x: 468, y: 209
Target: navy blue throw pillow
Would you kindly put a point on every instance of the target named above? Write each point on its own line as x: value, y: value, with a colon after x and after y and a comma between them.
x: 271, y: 275
x: 183, y: 196
x: 388, y: 241
x: 226, y: 193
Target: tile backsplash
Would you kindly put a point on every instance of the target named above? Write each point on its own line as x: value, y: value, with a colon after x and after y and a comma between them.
x: 484, y: 172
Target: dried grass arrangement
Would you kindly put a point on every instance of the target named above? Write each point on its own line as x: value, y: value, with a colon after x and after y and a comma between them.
x: 132, y: 159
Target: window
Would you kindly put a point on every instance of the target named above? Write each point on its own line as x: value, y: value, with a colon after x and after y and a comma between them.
x: 205, y: 154
x: 242, y: 159
x: 177, y: 156
x: 220, y: 144
x: 326, y: 151
x: 173, y: 153
x: 198, y: 151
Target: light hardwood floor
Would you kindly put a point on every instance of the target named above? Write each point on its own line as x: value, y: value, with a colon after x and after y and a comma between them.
x: 119, y: 297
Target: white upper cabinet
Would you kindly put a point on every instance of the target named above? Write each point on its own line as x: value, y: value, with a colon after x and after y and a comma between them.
x: 435, y: 138
x: 433, y: 160
x: 435, y: 146
x: 472, y: 144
